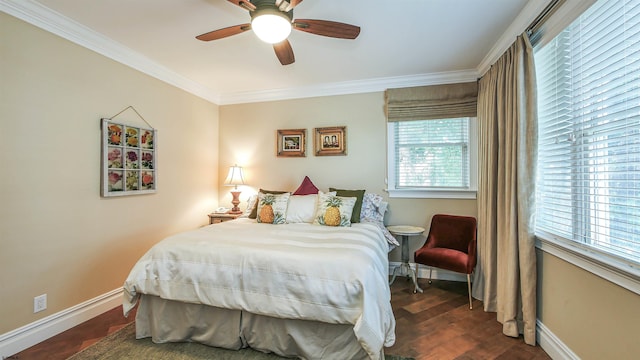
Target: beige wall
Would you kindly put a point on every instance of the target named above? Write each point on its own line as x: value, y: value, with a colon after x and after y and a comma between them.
x: 57, y: 235
x: 595, y: 318
x: 248, y: 137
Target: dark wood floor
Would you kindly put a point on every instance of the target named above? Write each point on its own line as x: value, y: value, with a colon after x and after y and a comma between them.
x: 434, y: 325
x: 439, y: 325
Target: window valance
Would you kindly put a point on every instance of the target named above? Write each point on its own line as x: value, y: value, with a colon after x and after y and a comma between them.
x: 432, y: 102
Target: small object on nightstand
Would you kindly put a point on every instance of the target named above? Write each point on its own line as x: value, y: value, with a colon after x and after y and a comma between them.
x: 405, y: 268
x: 216, y: 218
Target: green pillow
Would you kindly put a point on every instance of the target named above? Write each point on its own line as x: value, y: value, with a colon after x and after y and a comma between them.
x: 254, y: 211
x: 359, y: 194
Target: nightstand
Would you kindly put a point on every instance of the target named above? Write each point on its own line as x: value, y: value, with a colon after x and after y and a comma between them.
x: 216, y: 218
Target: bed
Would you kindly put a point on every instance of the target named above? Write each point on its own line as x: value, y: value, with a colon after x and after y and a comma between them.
x: 294, y: 289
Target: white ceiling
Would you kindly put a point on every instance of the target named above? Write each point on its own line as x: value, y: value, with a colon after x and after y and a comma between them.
x: 401, y: 43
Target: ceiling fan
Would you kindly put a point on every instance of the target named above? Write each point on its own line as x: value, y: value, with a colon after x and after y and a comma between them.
x: 272, y: 21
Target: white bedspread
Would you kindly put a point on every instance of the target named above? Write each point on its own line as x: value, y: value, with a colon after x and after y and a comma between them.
x: 297, y: 271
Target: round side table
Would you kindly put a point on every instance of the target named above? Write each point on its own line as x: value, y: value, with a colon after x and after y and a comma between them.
x: 404, y: 231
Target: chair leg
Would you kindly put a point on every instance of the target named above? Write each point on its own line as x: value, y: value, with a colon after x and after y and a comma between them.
x: 469, y: 290
x: 414, y: 277
x: 430, y: 270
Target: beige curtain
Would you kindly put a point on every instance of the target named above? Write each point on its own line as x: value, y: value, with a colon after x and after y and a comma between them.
x: 505, y: 278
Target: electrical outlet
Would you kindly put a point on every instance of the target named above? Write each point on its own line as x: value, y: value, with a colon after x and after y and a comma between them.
x: 39, y: 303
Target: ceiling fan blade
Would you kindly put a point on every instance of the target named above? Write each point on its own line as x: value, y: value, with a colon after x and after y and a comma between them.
x: 223, y: 33
x: 327, y: 28
x: 284, y: 52
x: 245, y: 4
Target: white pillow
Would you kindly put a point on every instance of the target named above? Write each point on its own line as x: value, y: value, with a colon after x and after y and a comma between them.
x: 302, y: 208
x: 251, y: 203
x: 383, y: 209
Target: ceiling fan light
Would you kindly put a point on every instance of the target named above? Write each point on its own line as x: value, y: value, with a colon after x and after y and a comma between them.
x: 271, y: 28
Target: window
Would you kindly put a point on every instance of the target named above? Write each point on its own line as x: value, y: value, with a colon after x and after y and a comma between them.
x: 588, y: 186
x: 432, y: 158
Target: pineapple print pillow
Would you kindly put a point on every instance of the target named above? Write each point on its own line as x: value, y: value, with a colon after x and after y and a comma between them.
x: 272, y: 208
x: 334, y: 210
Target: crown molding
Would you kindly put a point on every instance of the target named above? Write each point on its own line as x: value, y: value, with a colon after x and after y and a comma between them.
x: 56, y: 23
x: 40, y: 16
x: 51, y: 21
x: 517, y: 27
x: 349, y: 87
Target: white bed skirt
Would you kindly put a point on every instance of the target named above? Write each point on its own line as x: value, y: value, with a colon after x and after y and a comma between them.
x: 172, y: 321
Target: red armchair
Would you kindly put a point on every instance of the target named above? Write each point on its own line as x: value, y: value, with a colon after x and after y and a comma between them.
x: 450, y: 245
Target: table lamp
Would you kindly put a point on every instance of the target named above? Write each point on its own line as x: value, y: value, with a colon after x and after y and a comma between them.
x: 235, y: 178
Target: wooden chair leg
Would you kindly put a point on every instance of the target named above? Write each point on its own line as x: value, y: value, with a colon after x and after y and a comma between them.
x: 469, y: 290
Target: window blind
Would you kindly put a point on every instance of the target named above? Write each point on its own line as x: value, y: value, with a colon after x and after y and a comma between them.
x: 588, y: 186
x: 432, y: 102
x: 432, y: 153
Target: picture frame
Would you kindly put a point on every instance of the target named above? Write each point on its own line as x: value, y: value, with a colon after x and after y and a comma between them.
x: 330, y: 141
x: 291, y: 143
x: 129, y: 159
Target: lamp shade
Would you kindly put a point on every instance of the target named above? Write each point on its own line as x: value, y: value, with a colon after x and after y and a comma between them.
x: 271, y: 27
x: 235, y: 176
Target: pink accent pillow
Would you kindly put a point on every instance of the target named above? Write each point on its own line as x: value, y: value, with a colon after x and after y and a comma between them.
x: 306, y: 188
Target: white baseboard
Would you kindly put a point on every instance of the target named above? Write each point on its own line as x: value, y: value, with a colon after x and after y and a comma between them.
x: 552, y: 345
x: 24, y: 337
